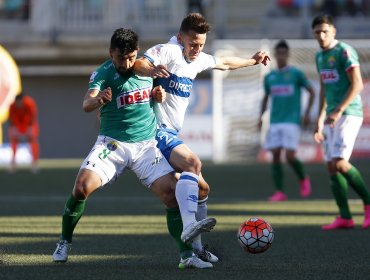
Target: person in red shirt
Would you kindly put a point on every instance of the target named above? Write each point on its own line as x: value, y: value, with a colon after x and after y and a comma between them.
x: 24, y: 125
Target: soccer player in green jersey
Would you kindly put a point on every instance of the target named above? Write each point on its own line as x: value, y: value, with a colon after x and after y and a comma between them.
x: 340, y: 117
x: 126, y: 141
x: 283, y: 86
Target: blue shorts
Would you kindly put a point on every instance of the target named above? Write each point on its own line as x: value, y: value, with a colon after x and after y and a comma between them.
x: 167, y: 140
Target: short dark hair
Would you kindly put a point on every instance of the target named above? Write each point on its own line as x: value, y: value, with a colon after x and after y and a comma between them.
x: 322, y: 19
x: 125, y: 40
x: 282, y: 44
x: 195, y: 22
x: 20, y: 96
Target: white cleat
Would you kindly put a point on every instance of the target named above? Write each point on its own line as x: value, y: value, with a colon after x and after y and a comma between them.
x: 194, y: 262
x: 196, y: 228
x: 206, y: 255
x: 61, y: 252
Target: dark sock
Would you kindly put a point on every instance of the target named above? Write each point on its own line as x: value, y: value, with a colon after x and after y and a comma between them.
x: 356, y: 181
x: 73, y: 211
x: 278, y: 176
x: 298, y: 168
x: 339, y: 188
x: 174, y: 225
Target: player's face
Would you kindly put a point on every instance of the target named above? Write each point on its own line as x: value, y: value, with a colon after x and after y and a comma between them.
x: 281, y: 56
x: 193, y: 44
x: 324, y: 34
x: 123, y: 62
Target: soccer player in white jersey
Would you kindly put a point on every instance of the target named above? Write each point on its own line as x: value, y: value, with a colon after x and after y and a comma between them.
x: 283, y: 87
x: 126, y: 141
x: 176, y: 64
x: 340, y: 118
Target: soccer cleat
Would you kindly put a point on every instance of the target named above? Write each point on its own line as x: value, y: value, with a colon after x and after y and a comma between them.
x: 278, y: 196
x: 61, y: 252
x: 305, y: 185
x: 366, y: 222
x: 195, y: 228
x: 194, y: 262
x: 206, y: 255
x: 339, y: 223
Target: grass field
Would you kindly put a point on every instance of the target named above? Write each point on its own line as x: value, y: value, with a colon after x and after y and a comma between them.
x: 123, y: 232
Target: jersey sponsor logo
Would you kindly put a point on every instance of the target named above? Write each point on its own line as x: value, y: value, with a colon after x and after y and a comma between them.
x: 137, y: 96
x: 179, y: 86
x: 92, y: 77
x: 282, y: 90
x: 329, y: 76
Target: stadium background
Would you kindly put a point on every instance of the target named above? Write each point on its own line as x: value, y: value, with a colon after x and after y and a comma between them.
x: 57, y: 44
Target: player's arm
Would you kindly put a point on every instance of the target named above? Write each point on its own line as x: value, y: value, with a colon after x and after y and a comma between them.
x: 263, y: 108
x: 318, y: 133
x: 311, y: 92
x: 232, y: 63
x: 354, y: 75
x: 144, y: 67
x: 95, y: 98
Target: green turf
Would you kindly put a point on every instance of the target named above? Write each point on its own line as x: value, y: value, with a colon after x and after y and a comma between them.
x: 123, y: 233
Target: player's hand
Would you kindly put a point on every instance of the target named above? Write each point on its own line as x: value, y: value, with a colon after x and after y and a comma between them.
x: 159, y: 71
x: 333, y: 118
x: 261, y: 57
x: 104, y: 96
x: 318, y: 134
x: 159, y: 94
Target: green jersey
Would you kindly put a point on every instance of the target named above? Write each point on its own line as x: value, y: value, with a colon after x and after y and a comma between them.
x: 129, y: 117
x: 284, y: 89
x: 332, y: 66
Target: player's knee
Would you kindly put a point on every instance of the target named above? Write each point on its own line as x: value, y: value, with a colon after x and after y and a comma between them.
x: 82, y: 188
x: 169, y: 199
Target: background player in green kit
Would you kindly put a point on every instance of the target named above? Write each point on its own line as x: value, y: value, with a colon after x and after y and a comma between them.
x: 125, y: 141
x: 340, y: 117
x: 283, y: 86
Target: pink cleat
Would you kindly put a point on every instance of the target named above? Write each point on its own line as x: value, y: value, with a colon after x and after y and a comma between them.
x: 278, y: 196
x: 366, y: 222
x: 305, y: 187
x: 339, y: 223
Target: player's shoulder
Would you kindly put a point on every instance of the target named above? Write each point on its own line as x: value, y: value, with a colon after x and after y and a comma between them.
x: 106, y: 66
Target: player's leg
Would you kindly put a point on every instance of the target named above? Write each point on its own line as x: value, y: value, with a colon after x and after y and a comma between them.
x: 202, y: 213
x: 297, y: 166
x: 291, y: 136
x: 349, y: 128
x: 277, y: 176
x: 100, y: 167
x: 184, y: 161
x: 14, y: 137
x: 187, y: 190
x: 159, y: 177
x: 32, y: 136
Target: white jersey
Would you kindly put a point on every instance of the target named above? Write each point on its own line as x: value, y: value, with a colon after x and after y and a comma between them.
x: 171, y: 113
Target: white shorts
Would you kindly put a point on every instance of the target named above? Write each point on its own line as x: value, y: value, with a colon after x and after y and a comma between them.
x: 340, y: 139
x: 282, y: 135
x: 109, y: 158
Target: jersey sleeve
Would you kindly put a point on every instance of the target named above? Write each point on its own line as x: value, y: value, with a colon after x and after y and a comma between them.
x: 208, y: 61
x: 303, y: 81
x: 160, y: 54
x: 349, y: 58
x: 97, y: 79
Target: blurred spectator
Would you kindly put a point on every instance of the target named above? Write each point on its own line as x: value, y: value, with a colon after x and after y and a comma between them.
x: 24, y: 126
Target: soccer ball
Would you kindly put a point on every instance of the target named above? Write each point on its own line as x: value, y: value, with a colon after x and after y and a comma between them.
x: 255, y: 235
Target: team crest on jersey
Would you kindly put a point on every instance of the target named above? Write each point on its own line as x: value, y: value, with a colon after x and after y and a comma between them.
x: 331, y: 61
x: 142, y: 95
x: 112, y: 146
x: 92, y: 77
x: 329, y: 76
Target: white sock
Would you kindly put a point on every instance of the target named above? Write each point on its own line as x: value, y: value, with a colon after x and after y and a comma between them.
x: 200, y: 215
x: 187, y: 197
